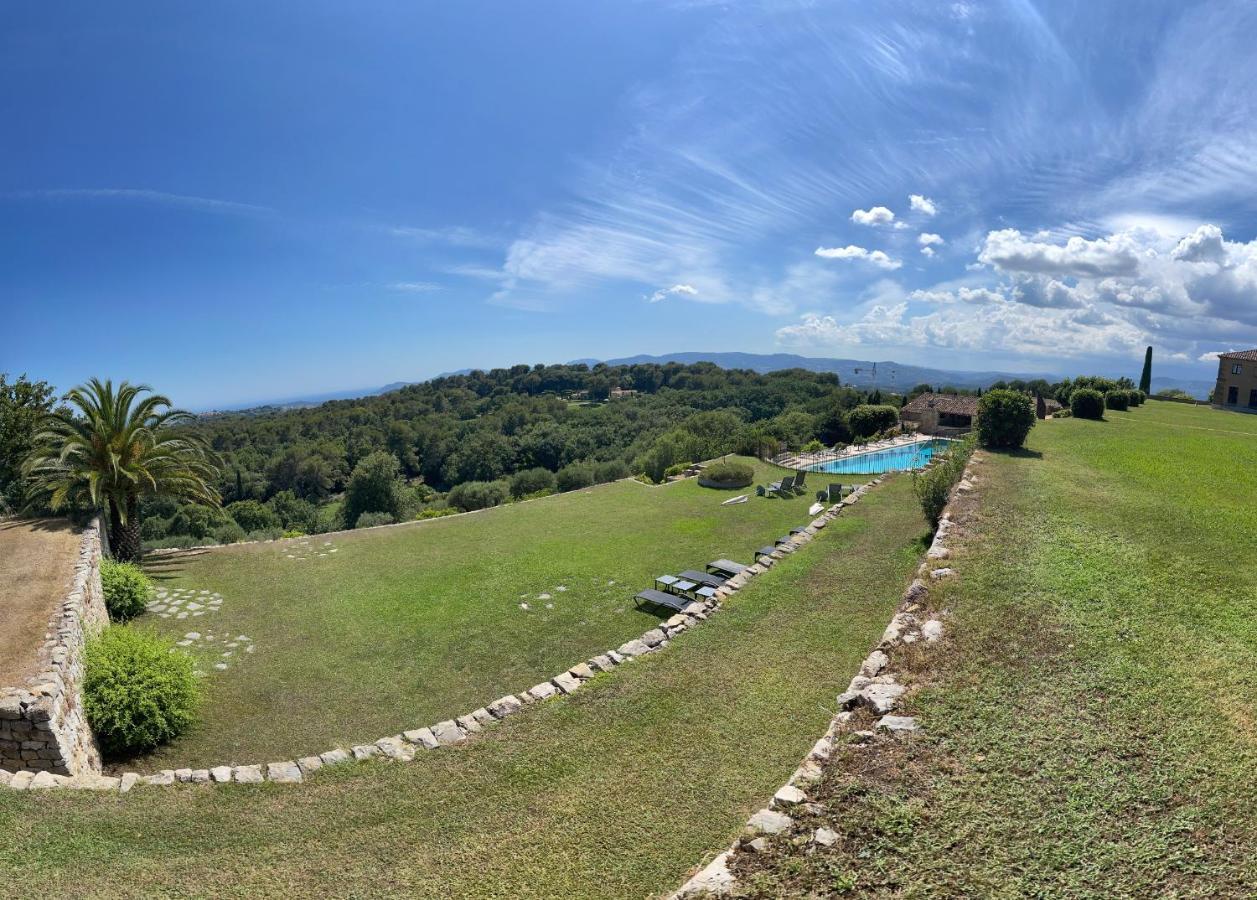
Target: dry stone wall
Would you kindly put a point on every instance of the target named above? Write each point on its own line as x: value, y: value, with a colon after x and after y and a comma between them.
x: 875, y: 688
x: 43, y: 728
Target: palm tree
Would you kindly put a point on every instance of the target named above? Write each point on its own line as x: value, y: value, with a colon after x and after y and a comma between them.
x: 114, y: 447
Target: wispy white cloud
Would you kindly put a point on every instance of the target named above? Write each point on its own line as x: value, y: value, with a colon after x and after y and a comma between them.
x: 142, y: 195
x: 451, y: 235
x: 687, y: 290
x: 413, y: 287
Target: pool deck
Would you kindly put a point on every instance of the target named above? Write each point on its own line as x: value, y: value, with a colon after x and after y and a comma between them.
x: 807, y: 460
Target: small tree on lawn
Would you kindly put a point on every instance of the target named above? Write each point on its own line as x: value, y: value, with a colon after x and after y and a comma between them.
x: 1004, y: 419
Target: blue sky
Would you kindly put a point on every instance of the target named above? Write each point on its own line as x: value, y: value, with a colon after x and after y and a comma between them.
x: 242, y: 201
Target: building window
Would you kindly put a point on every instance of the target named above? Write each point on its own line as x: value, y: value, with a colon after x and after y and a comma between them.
x: 1232, y: 395
x: 1252, y: 399
x: 1237, y: 369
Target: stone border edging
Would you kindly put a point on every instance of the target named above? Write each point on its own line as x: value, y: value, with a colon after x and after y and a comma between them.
x: 408, y: 744
x: 42, y: 723
x: 875, y: 688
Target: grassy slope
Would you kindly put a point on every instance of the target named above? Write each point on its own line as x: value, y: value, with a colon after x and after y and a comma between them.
x: 403, y: 627
x: 1091, y: 733
x: 616, y: 791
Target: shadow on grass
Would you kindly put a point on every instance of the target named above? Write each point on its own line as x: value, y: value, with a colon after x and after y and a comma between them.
x: 1019, y: 453
x: 168, y: 565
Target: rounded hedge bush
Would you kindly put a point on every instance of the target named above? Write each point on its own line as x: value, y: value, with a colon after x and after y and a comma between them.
x: 727, y: 475
x: 126, y: 589
x: 867, y: 420
x: 1119, y: 400
x: 1086, y: 403
x: 137, y: 694
x: 1137, y: 397
x: 1004, y: 418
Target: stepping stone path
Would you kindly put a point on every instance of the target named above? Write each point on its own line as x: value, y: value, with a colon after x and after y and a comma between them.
x: 308, y: 548
x: 229, y: 648
x: 184, y: 603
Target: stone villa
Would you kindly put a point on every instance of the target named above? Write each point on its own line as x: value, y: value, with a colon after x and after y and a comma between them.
x: 1237, y: 381
x: 941, y: 414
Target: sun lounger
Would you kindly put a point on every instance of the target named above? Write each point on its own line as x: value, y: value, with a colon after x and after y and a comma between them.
x: 835, y: 492
x: 659, y: 598
x: 784, y: 485
x: 703, y: 577
x: 799, y: 479
x: 725, y: 567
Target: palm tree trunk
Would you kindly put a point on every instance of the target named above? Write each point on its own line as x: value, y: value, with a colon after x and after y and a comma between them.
x: 125, y: 538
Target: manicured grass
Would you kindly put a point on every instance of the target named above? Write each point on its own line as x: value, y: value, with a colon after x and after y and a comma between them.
x: 1090, y: 730
x: 614, y: 792
x: 403, y: 627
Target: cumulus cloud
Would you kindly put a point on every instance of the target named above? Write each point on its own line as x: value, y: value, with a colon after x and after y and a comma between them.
x: 851, y: 251
x: 1205, y: 244
x: 687, y: 290
x: 922, y: 204
x: 1009, y: 327
x: 1009, y: 250
x: 928, y: 242
x: 878, y: 215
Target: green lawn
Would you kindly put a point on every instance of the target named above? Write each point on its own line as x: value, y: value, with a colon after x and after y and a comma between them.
x: 613, y: 792
x: 402, y: 627
x: 1090, y: 731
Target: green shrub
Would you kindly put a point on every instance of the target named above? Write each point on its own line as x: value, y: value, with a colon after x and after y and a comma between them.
x: 372, y: 519
x: 153, y: 528
x: 136, y: 692
x: 867, y: 419
x: 253, y: 516
x: 531, y: 481
x: 1137, y: 397
x: 675, y: 469
x: 229, y: 533
x: 575, y: 476
x: 612, y: 470
x: 126, y: 589
x: 933, y: 484
x: 1004, y: 419
x: 1118, y: 399
x: 813, y: 445
x: 1087, y: 403
x: 437, y: 512
x: 478, y: 494
x: 1062, y: 413
x: 727, y: 474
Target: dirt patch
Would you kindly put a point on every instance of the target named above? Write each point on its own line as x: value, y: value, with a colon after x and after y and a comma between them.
x: 37, y: 558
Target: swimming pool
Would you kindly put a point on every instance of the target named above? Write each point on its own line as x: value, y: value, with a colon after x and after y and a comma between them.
x: 892, y: 459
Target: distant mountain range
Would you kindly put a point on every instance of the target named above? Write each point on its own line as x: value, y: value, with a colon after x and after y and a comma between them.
x: 868, y: 374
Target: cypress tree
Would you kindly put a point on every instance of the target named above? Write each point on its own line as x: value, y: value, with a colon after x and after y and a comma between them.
x: 1145, y: 380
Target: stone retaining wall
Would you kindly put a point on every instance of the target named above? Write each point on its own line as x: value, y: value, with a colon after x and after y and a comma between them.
x: 42, y: 724
x: 875, y: 688
x: 408, y: 744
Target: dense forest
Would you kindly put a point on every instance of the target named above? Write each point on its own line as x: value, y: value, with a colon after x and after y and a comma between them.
x: 469, y: 441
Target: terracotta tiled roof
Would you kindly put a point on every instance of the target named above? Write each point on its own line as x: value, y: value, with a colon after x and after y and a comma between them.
x: 944, y: 403
x: 1250, y: 355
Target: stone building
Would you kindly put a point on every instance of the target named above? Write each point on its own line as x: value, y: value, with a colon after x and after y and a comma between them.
x: 941, y: 414
x: 1237, y: 381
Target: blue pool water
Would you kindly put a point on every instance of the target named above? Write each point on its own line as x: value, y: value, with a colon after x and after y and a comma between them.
x: 894, y: 459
